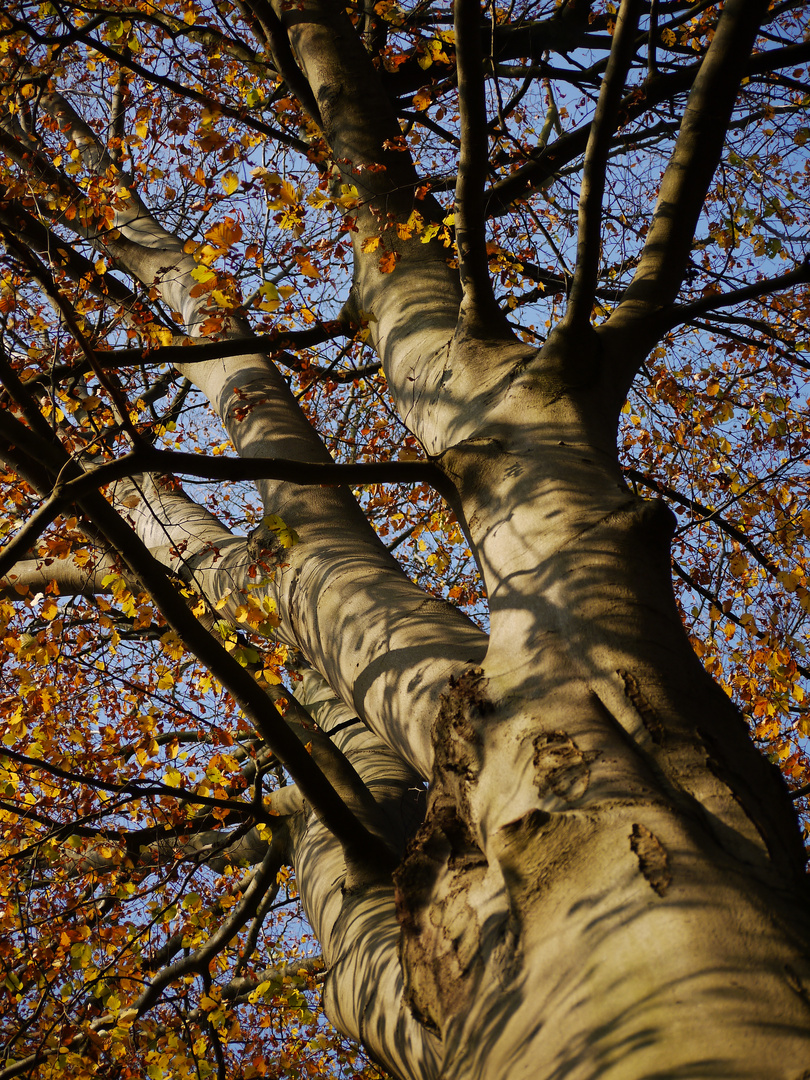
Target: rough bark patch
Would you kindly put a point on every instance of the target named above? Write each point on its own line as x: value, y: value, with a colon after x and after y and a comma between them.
x: 560, y: 766
x: 652, y: 858
x: 440, y: 934
x: 649, y: 717
x: 443, y: 867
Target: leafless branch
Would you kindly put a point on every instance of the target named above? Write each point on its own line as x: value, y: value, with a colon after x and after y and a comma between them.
x: 479, y: 307
x: 694, y: 159
x: 592, y: 189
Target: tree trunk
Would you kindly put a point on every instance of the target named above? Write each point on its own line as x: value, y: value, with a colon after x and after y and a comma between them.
x: 609, y: 881
x: 602, y: 879
x: 609, y: 878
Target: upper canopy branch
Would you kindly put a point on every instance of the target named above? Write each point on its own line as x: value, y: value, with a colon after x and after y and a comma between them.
x: 697, y: 151
x: 592, y: 189
x: 713, y: 301
x: 479, y: 310
x: 126, y: 60
x: 546, y: 161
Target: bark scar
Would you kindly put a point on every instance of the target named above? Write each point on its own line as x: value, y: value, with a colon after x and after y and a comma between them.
x: 648, y: 715
x: 560, y: 766
x: 652, y: 858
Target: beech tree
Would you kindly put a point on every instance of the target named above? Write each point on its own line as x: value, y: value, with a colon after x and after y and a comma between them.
x: 369, y: 374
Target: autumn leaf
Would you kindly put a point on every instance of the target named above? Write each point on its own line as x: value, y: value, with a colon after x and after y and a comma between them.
x: 225, y: 234
x: 306, y: 267
x: 230, y: 182
x: 285, y: 536
x: 267, y: 298
x: 422, y: 99
x: 203, y: 274
x: 388, y: 261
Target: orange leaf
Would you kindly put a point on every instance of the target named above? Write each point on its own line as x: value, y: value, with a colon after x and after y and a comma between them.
x: 306, y: 267
x: 388, y: 261
x: 225, y: 233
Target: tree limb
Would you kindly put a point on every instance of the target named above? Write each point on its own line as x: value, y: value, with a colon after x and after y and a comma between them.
x: 480, y: 313
x: 360, y: 844
x: 686, y: 312
x: 67, y: 493
x: 603, y: 126
x: 694, y: 159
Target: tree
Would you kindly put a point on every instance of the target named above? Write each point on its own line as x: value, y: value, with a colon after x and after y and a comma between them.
x: 517, y: 286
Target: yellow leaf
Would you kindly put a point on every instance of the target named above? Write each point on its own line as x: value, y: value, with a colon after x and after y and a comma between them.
x: 269, y: 296
x: 421, y: 99
x: 371, y: 244
x: 223, y: 300
x: 286, y: 536
x: 306, y: 268
x: 349, y: 196
x: 50, y: 609
x: 173, y: 777
x: 230, y: 181
x: 100, y: 266
x: 202, y: 273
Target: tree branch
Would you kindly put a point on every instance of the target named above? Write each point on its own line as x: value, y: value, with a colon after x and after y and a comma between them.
x: 68, y: 492
x: 686, y: 312
x: 362, y: 846
x: 279, y: 45
x: 712, y: 598
x: 546, y: 161
x: 199, y: 960
x: 480, y: 313
x: 178, y: 88
x: 198, y: 350
x: 693, y: 162
x: 603, y: 126
x: 707, y: 515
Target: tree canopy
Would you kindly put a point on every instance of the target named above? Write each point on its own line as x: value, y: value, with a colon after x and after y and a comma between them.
x: 351, y: 356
